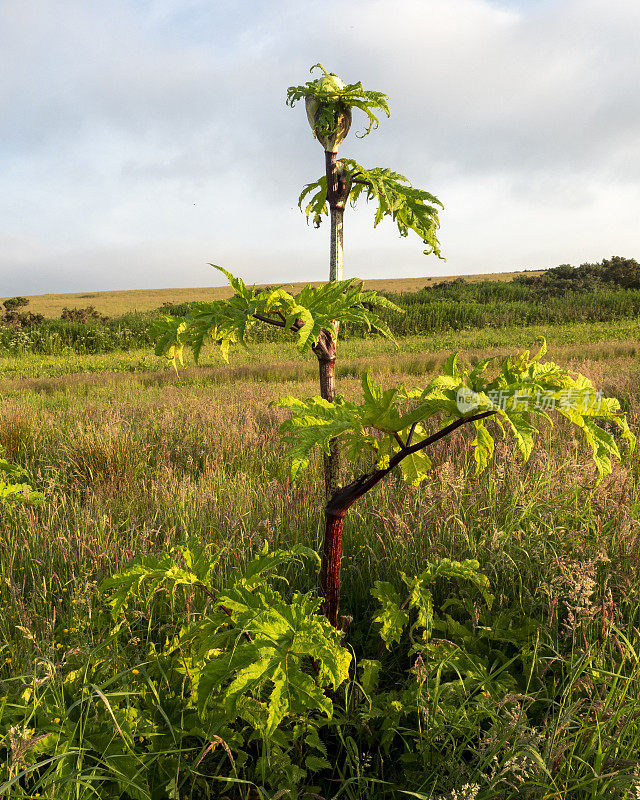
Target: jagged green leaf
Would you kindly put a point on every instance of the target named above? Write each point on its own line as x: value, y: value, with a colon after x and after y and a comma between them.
x: 250, y: 654
x: 409, y: 208
x: 15, y: 486
x: 273, y: 660
x: 268, y: 561
x: 396, y: 613
x: 224, y: 323
x: 392, y: 618
x: 416, y: 466
x: 523, y: 431
x: 388, y: 423
x: 334, y: 96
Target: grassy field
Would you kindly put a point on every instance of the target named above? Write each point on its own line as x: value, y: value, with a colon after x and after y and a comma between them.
x: 116, y: 303
x: 133, y: 459
x: 274, y: 360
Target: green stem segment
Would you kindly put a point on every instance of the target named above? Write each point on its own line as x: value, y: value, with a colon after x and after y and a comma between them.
x: 336, y: 271
x: 337, y: 194
x: 327, y: 369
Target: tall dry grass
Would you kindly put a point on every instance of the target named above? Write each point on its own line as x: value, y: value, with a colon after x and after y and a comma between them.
x: 131, y: 467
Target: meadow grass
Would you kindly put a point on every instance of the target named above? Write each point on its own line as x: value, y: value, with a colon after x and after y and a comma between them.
x: 132, y: 462
x: 603, y: 339
x: 199, y: 451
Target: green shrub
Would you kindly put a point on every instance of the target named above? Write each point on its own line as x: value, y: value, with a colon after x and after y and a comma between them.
x: 12, y: 303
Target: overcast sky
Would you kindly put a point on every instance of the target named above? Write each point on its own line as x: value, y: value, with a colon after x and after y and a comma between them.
x: 141, y: 139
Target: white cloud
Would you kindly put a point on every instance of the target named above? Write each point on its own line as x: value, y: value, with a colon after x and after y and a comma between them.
x: 147, y: 138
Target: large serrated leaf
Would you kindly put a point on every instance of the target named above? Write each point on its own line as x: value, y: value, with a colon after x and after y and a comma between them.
x: 416, y: 466
x: 282, y: 638
x: 523, y: 432
x: 225, y: 322
x: 391, y: 618
x: 483, y: 446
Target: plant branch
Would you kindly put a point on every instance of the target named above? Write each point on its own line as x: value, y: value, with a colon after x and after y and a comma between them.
x: 270, y: 321
x: 346, y: 496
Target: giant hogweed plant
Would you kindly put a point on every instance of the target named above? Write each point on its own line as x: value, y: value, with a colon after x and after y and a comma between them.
x: 329, y: 105
x: 396, y: 425
x: 314, y: 315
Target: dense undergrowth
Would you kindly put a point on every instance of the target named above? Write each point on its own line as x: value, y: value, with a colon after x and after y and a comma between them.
x: 531, y: 694
x: 593, y: 293
x: 61, y: 336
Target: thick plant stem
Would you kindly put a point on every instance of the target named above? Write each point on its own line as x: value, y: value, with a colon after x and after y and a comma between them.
x: 327, y: 368
x: 330, y: 570
x: 337, y: 193
x: 332, y: 463
x: 325, y: 350
x: 335, y: 253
